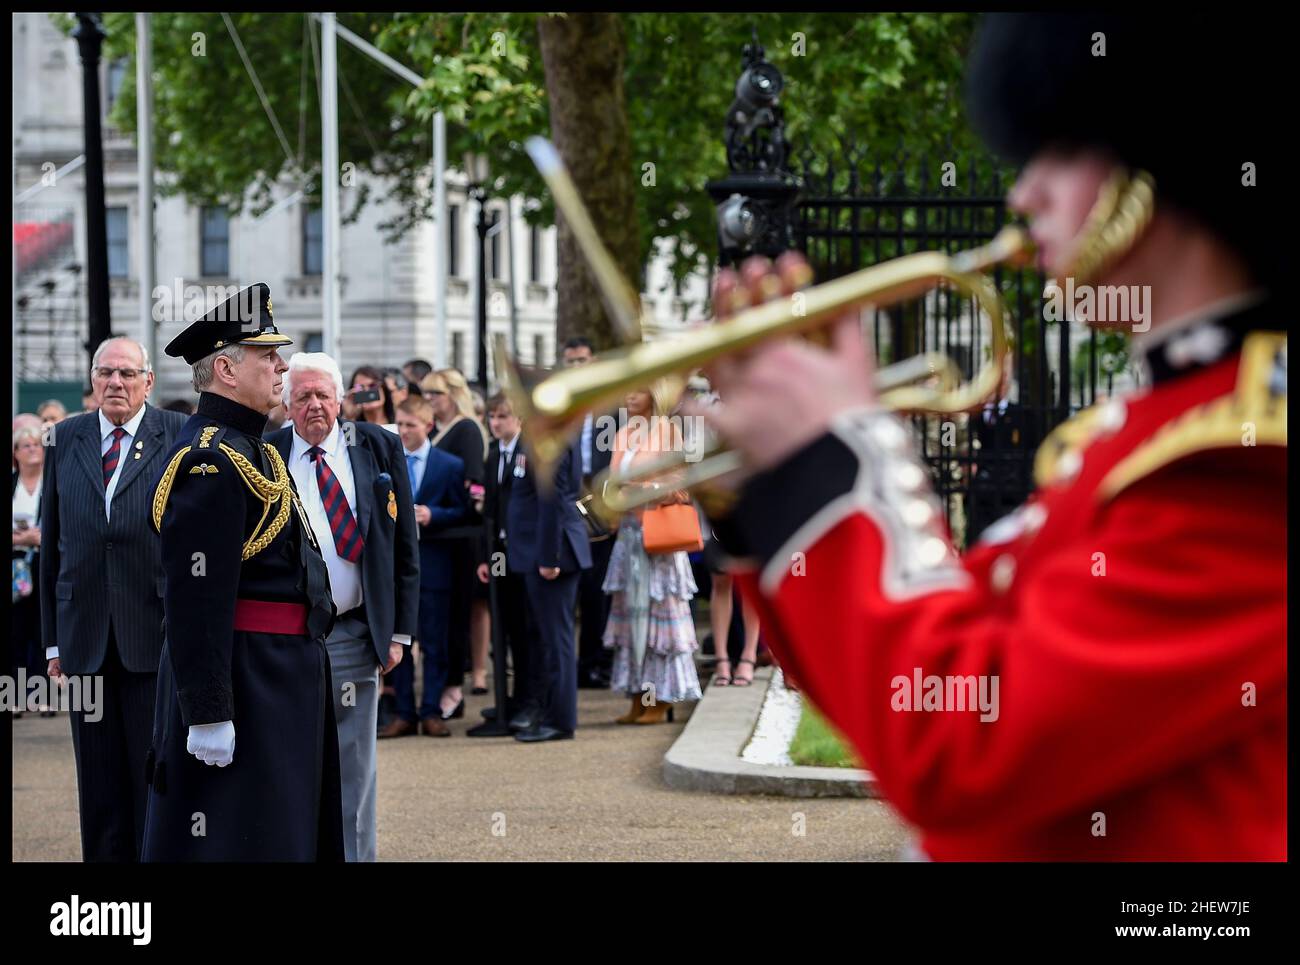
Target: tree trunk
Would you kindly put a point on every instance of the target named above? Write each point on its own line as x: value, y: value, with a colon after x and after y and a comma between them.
x: 584, y: 56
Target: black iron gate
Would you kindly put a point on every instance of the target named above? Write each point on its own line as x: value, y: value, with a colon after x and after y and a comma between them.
x: 857, y: 210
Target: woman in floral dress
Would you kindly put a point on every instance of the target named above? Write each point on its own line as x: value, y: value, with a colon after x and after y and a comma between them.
x: 650, y: 627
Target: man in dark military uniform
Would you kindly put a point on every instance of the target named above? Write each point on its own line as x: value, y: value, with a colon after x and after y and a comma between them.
x: 247, y: 608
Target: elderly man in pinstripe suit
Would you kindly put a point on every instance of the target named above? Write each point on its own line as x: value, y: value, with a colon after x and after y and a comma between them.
x: 102, y: 587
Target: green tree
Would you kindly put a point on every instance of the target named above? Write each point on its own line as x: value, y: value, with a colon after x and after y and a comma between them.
x: 883, y: 82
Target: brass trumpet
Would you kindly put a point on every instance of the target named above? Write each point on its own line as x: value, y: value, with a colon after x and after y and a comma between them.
x: 553, y: 405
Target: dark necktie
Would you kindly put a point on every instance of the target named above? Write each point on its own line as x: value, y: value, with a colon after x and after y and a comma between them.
x: 113, y: 455
x: 347, y: 537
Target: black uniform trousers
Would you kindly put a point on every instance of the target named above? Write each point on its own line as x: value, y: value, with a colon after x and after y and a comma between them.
x: 110, y: 750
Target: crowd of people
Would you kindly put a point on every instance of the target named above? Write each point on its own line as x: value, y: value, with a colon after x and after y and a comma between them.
x: 474, y: 538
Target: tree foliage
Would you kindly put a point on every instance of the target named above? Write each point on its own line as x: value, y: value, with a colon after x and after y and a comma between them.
x: 884, y: 81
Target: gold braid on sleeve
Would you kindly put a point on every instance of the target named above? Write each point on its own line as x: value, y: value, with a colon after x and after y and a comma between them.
x: 165, y: 488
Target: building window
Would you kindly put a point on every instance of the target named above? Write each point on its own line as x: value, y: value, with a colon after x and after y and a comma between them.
x: 119, y: 265
x: 313, y: 342
x: 313, y: 245
x: 113, y: 84
x: 453, y: 240
x: 214, y: 260
x: 458, y: 350
x: 494, y: 264
x: 535, y: 254
x: 539, y: 350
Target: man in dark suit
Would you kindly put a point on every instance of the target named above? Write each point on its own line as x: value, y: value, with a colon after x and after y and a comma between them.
x: 595, y: 446
x: 353, y: 482
x: 438, y: 486
x: 511, y: 594
x: 548, y: 544
x: 102, y: 588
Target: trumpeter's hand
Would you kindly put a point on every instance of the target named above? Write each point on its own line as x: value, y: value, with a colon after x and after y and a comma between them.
x: 783, y: 394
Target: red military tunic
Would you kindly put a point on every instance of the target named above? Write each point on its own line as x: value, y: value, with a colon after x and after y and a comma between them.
x: 1132, y: 614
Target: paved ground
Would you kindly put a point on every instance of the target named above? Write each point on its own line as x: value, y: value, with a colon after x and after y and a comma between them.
x: 598, y: 797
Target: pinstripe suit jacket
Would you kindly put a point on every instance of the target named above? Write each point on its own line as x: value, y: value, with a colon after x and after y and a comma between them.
x: 95, y: 571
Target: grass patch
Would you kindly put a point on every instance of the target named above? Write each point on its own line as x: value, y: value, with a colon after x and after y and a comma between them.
x: 817, y: 744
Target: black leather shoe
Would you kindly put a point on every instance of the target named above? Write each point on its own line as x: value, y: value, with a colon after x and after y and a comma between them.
x: 524, y: 720
x: 543, y: 732
x: 512, y: 709
x: 456, y: 712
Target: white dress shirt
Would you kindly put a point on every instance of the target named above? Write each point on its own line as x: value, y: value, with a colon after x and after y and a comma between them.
x: 507, y: 449
x: 132, y: 427
x: 588, y: 424
x: 345, y: 576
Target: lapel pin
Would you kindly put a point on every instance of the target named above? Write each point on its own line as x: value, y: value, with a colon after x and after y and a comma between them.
x: 139, y: 443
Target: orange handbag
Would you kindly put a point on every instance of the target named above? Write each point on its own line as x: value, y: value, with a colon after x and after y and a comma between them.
x: 673, y: 528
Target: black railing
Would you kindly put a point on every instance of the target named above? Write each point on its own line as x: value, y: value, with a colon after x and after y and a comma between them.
x: 856, y: 210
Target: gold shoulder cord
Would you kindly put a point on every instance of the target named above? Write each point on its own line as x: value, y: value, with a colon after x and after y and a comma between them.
x: 1254, y: 413
x: 267, y: 490
x: 1072, y: 434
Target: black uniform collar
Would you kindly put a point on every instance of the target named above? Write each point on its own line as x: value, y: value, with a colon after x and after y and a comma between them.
x: 221, y: 409
x: 1199, y: 342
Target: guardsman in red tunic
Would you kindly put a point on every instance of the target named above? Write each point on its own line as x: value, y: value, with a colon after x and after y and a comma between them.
x: 1103, y: 676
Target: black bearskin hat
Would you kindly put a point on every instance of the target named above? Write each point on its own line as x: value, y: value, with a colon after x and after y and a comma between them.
x: 1191, y: 98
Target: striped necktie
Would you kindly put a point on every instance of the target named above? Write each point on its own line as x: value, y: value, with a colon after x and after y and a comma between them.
x: 347, y: 537
x: 113, y: 455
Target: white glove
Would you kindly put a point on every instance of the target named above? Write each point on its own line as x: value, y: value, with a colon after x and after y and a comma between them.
x: 212, y: 743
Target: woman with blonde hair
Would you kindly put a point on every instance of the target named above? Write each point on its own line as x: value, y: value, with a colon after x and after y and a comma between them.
x: 25, y: 617
x: 650, y: 628
x: 457, y: 431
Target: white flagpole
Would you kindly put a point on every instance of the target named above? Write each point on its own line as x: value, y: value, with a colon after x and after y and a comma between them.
x: 332, y: 224
x: 144, y: 177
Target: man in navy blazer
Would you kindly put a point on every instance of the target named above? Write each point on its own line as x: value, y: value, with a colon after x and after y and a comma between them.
x: 352, y: 480
x: 548, y: 544
x: 438, y: 484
